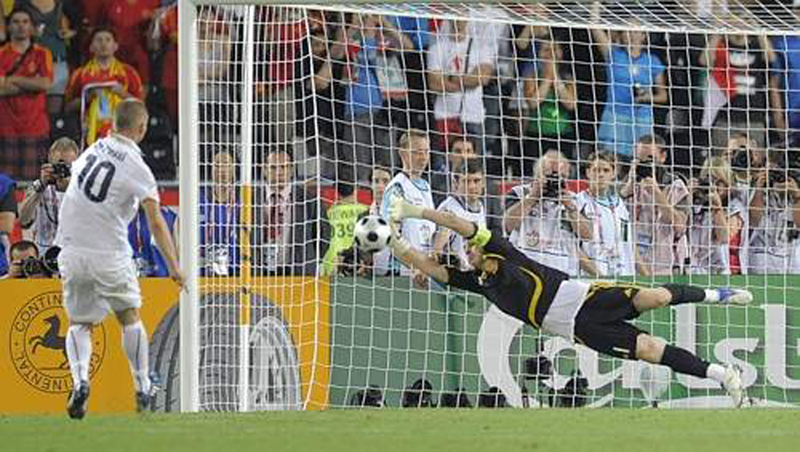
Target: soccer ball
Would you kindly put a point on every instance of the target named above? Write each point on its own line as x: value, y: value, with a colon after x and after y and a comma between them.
x: 372, y: 233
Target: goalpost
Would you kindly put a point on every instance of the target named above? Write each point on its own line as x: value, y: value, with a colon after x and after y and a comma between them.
x: 283, y: 105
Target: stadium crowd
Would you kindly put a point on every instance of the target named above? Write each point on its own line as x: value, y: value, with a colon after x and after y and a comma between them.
x: 598, y: 152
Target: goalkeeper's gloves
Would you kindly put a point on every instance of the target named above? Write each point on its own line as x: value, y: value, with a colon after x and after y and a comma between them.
x: 398, y: 244
x: 399, y: 209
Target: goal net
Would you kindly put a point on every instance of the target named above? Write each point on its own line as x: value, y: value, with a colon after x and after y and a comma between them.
x: 637, y: 142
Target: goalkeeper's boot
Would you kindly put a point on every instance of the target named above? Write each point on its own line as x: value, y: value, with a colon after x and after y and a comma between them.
x: 727, y: 295
x: 145, y: 400
x: 733, y: 384
x: 78, y: 400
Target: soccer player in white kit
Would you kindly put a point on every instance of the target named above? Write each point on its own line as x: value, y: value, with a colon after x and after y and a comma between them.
x: 595, y: 314
x: 110, y: 180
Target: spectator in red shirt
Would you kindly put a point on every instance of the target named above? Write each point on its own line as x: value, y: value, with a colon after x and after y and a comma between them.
x: 165, y: 36
x: 98, y: 86
x: 26, y: 73
x: 130, y: 20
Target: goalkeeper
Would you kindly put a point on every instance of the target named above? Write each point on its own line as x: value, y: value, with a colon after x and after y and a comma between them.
x: 596, y: 314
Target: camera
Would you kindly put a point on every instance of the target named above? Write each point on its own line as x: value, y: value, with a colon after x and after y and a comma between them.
x: 61, y: 170
x: 741, y: 158
x: 648, y: 168
x: 552, y: 187
x: 700, y: 194
x: 45, y: 266
x: 639, y: 91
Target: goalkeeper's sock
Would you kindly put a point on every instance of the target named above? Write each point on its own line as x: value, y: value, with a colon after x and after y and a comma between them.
x: 682, y: 361
x: 716, y: 372
x: 682, y: 293
x: 79, y: 352
x: 134, y: 341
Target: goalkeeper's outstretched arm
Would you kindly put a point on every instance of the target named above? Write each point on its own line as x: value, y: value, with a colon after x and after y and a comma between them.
x: 399, y: 210
x: 414, y: 258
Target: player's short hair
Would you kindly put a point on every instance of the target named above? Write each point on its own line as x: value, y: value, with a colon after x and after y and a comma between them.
x: 64, y: 144
x: 383, y: 168
x: 603, y: 156
x: 103, y: 29
x: 407, y: 137
x: 23, y: 245
x: 128, y: 114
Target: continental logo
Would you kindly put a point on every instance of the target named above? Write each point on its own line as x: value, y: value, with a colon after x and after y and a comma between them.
x: 38, y: 344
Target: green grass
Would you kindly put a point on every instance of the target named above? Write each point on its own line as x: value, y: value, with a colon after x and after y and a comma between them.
x: 614, y: 430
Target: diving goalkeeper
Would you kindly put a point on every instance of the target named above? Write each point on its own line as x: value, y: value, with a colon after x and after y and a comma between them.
x: 596, y: 314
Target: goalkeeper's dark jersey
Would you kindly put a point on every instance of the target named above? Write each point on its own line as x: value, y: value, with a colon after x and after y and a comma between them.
x: 521, y: 287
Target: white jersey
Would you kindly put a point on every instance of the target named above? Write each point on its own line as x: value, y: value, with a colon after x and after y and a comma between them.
x: 770, y: 244
x: 611, y: 247
x: 544, y: 234
x: 476, y: 214
x: 45, y: 222
x: 706, y: 256
x: 108, y: 182
x: 418, y: 232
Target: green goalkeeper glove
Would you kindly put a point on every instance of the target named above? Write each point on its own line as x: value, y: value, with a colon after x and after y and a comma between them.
x: 399, y: 210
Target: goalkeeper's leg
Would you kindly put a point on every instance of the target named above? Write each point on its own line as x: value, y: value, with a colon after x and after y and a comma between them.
x: 657, y: 351
x: 675, y: 294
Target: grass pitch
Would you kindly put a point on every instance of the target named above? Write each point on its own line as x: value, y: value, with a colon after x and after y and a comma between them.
x: 614, y: 430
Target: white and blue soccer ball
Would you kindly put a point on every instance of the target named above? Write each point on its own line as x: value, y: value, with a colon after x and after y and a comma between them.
x: 372, y: 234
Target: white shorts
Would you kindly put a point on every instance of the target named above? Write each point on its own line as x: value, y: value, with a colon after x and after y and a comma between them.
x: 97, y: 283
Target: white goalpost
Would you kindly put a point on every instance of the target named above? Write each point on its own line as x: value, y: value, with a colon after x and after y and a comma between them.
x: 292, y: 120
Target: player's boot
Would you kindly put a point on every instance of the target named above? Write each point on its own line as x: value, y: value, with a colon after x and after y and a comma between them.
x: 733, y: 384
x: 145, y: 401
x: 727, y: 295
x: 78, y: 400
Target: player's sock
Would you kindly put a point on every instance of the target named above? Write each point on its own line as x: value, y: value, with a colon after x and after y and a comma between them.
x: 682, y: 361
x: 79, y: 352
x: 683, y: 293
x: 134, y: 341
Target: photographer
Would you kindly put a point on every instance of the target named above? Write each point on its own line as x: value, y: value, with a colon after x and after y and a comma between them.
x: 543, y: 221
x: 709, y: 228
x: 774, y: 217
x: 39, y: 209
x: 659, y: 201
x: 25, y: 262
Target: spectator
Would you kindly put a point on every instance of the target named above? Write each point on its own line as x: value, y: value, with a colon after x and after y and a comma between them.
x: 149, y: 261
x: 552, y: 98
x: 709, y: 226
x: 20, y: 252
x: 410, y: 185
x: 55, y: 31
x: 774, y: 219
x: 129, y: 21
x: 283, y: 33
x: 220, y: 219
x: 636, y: 82
x: 342, y: 217
x: 8, y: 213
x: 785, y: 92
x: 466, y: 201
x: 611, y: 246
x: 459, y: 65
x: 736, y: 96
x: 214, y: 73
x: 39, y: 209
x: 366, y: 140
x: 381, y: 176
x: 660, y: 204
x: 163, y: 39
x: 26, y: 73
x: 543, y: 221
x: 287, y: 221
x: 95, y: 89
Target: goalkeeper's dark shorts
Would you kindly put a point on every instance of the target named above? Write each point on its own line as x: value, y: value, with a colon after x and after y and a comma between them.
x: 602, y: 323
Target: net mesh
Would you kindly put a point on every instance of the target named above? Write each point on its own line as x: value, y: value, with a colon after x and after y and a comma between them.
x: 640, y: 142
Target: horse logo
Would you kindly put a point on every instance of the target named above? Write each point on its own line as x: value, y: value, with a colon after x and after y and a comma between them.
x: 51, y: 339
x: 38, y: 344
